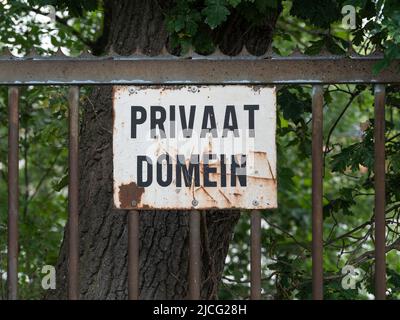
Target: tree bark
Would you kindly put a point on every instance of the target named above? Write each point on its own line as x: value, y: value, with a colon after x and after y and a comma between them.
x: 131, y: 25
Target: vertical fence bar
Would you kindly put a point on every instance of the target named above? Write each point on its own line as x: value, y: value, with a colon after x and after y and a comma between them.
x: 73, y: 195
x: 380, y: 248
x: 194, y: 255
x: 255, y: 255
x: 13, y: 191
x: 317, y: 193
x: 133, y: 255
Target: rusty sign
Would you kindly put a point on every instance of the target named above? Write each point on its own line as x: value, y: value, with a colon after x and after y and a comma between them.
x: 203, y: 147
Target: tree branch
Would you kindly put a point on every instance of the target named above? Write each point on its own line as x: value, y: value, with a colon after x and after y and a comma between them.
x: 352, y: 97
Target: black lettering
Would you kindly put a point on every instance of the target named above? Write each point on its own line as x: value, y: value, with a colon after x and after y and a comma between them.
x: 182, y: 169
x: 157, y: 121
x: 135, y: 110
x: 238, y: 170
x: 223, y: 170
x: 251, y: 108
x: 141, y: 182
x: 230, y: 114
x: 207, y: 170
x: 168, y: 179
x: 208, y: 114
x: 172, y: 126
x: 187, y: 129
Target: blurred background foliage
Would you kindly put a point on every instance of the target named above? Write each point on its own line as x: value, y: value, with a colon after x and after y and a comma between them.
x: 311, y: 26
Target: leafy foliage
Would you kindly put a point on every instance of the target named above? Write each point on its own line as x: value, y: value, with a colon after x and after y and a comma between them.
x: 310, y: 11
x: 311, y: 26
x: 43, y: 154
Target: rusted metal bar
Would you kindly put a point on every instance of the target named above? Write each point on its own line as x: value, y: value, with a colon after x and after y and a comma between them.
x: 13, y: 191
x: 255, y: 255
x: 195, y: 70
x: 133, y: 255
x: 317, y: 192
x: 379, y: 177
x: 73, y: 195
x: 194, y: 255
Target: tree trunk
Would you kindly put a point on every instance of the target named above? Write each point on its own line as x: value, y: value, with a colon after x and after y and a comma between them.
x: 131, y: 25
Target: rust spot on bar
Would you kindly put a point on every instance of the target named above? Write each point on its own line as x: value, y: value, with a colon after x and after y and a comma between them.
x: 128, y: 193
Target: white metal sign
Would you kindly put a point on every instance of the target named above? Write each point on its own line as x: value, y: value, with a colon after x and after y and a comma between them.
x: 203, y: 147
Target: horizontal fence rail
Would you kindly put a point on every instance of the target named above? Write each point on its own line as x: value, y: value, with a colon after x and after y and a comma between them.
x: 212, y: 69
x: 196, y: 70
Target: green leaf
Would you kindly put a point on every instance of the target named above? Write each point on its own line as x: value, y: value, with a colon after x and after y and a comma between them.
x: 315, y: 48
x: 179, y: 23
x: 319, y: 13
x: 353, y: 156
x: 294, y: 102
x: 63, y: 182
x: 234, y: 3
x: 215, y: 12
x: 333, y: 46
x: 263, y: 6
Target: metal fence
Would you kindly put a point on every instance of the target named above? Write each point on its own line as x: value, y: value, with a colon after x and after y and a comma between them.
x: 195, y: 69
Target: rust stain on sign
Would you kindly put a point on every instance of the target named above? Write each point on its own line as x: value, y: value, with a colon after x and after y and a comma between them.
x: 130, y: 194
x: 203, y: 147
